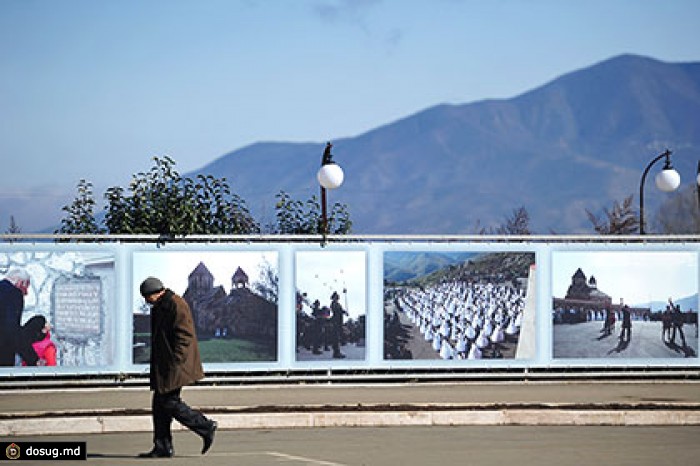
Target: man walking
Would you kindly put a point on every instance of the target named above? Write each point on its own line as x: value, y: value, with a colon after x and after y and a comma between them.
x: 175, y: 362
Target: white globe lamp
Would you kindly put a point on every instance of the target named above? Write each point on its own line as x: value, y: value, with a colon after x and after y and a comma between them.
x: 330, y: 176
x: 668, y: 180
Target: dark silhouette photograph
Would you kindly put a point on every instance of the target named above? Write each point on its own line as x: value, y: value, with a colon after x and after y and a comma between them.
x: 331, y: 302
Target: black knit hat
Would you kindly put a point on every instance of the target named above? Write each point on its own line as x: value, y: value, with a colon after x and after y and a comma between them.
x: 150, y: 286
x: 33, y: 328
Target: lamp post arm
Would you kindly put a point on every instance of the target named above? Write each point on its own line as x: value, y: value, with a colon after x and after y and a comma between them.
x: 667, y: 153
x: 327, y: 156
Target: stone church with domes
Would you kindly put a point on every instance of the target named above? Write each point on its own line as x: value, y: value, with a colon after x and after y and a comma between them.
x: 585, y: 302
x: 239, y: 314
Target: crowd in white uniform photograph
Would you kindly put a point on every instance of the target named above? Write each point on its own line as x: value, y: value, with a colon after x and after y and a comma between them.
x: 463, y: 321
x: 465, y: 317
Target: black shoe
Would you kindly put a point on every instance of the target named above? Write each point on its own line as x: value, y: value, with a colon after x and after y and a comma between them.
x: 338, y: 356
x: 209, y: 437
x: 158, y: 452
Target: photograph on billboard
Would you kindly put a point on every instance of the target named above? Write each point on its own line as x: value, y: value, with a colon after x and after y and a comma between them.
x: 459, y: 305
x: 624, y: 304
x: 57, y: 309
x: 233, y: 297
x: 331, y: 302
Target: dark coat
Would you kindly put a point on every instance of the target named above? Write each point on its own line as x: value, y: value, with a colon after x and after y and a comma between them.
x: 626, y: 318
x: 337, y: 313
x: 677, y: 317
x: 175, y: 360
x: 11, y: 308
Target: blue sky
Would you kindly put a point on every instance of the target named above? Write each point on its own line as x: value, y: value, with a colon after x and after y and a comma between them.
x: 95, y: 89
x: 319, y: 274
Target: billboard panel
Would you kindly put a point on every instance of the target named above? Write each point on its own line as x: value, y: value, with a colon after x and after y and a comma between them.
x: 58, y: 309
x: 361, y: 305
x: 233, y: 297
x: 459, y: 305
x: 624, y: 304
x: 331, y: 305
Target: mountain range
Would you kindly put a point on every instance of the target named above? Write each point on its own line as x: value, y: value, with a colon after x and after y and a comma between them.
x: 401, y: 266
x: 577, y: 143
x: 687, y: 303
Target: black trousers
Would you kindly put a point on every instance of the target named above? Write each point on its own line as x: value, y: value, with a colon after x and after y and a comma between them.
x: 169, y: 406
x: 626, y: 334
x: 679, y: 328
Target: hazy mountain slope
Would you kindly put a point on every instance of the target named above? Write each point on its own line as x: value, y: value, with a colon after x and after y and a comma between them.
x: 400, y: 266
x: 578, y: 142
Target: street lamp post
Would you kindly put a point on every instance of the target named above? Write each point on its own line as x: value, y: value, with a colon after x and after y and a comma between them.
x: 330, y: 176
x: 697, y: 186
x: 667, y: 180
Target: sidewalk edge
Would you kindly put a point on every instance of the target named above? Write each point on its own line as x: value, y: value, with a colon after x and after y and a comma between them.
x: 77, y: 425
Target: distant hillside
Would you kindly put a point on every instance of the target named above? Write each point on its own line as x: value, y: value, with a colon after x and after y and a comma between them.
x: 495, y: 267
x: 578, y: 142
x: 686, y: 304
x: 403, y: 266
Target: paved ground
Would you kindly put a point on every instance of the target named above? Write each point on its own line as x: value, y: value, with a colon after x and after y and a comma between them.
x: 526, y: 423
x: 109, y: 410
x: 408, y: 446
x: 585, y: 341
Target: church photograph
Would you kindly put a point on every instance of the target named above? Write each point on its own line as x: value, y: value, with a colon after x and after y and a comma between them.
x: 233, y: 297
x: 624, y: 304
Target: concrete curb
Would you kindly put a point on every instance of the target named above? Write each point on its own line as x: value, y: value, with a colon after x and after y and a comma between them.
x: 97, y: 424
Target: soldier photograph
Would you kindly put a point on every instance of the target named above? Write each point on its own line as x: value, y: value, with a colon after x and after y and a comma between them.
x: 331, y: 305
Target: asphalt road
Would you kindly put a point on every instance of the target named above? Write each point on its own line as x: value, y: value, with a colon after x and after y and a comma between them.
x: 586, y: 341
x: 407, y: 446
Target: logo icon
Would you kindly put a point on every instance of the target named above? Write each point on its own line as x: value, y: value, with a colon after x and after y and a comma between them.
x: 12, y: 451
